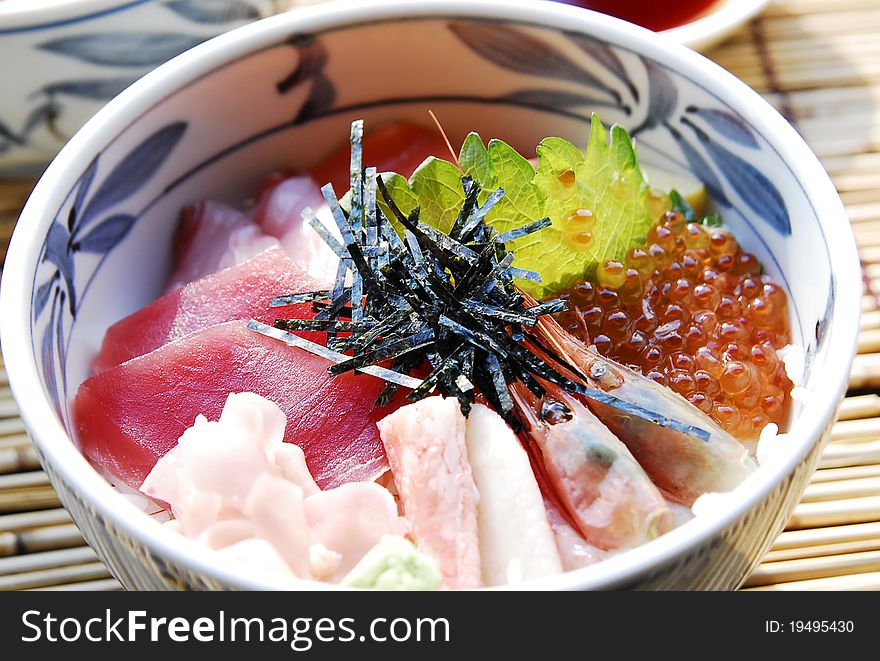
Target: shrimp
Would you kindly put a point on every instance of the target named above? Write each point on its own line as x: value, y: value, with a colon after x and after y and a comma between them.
x: 682, y: 464
x: 609, y: 497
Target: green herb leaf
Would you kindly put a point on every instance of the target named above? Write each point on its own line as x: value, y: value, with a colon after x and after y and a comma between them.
x: 474, y: 159
x: 605, y: 184
x: 402, y: 194
x: 437, y: 185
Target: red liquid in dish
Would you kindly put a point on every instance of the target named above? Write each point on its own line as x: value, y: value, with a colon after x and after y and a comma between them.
x: 648, y: 13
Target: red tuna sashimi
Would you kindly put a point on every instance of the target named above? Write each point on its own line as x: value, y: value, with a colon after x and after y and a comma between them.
x: 399, y: 147
x: 239, y: 292
x: 212, y: 236
x: 129, y: 416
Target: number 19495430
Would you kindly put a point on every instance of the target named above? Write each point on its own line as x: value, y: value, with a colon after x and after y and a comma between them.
x: 809, y: 626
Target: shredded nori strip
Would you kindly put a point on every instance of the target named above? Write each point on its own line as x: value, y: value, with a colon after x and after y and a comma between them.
x: 296, y: 341
x: 445, y: 300
x: 524, y: 230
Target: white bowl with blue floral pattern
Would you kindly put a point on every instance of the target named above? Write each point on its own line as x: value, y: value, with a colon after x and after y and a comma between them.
x: 95, y: 239
x: 64, y: 59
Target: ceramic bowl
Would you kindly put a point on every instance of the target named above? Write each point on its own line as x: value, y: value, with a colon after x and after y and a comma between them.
x: 94, y: 242
x: 64, y: 59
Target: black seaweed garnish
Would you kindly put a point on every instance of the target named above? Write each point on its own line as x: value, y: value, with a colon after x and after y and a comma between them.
x: 445, y: 304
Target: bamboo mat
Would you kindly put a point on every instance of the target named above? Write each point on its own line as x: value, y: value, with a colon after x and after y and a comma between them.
x: 818, y: 62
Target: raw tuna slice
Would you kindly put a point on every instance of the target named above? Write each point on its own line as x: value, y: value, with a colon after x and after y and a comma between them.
x: 212, y: 236
x: 239, y: 292
x: 129, y: 416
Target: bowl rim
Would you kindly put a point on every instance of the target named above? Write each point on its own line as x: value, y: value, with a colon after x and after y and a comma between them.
x: 65, y: 459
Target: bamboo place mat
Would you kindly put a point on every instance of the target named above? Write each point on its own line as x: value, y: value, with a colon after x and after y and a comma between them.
x: 818, y: 62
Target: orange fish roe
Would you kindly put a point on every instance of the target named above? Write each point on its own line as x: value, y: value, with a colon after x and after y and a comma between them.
x: 692, y: 311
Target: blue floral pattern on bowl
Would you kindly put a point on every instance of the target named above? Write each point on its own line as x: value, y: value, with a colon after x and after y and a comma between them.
x: 76, y: 65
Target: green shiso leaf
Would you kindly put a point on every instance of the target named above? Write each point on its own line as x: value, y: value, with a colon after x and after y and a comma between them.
x: 402, y: 193
x: 474, y: 159
x: 606, y: 181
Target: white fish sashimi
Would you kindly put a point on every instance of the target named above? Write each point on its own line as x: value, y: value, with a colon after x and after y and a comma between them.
x: 425, y: 444
x: 280, y: 207
x: 280, y: 215
x: 516, y: 541
x: 213, y: 236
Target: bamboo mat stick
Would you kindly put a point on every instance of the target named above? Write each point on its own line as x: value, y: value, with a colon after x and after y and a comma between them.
x: 835, y: 512
x: 11, y: 426
x: 872, y: 271
x: 863, y: 161
x: 870, y: 319
x: 837, y: 455
x: 23, y: 480
x: 847, y: 473
x: 26, y: 498
x: 842, y: 489
x: 46, y: 560
x: 849, y: 583
x: 792, y: 7
x: 18, y: 459
x: 865, y: 225
x: 869, y: 341
x: 806, y: 49
x: 837, y: 24
x: 866, y: 429
x: 15, y: 441
x: 791, y: 539
x: 8, y: 408
x: 862, y: 213
x: 871, y: 256
x: 863, y: 406
x: 868, y: 181
x: 105, y: 585
x: 842, y: 548
x: 865, y: 371
x: 40, y: 539
x: 38, y: 519
x: 55, y: 576
x: 809, y: 568
x: 868, y: 236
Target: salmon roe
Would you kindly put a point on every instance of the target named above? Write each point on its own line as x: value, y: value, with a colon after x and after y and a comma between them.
x: 692, y: 311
